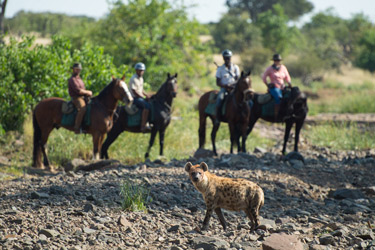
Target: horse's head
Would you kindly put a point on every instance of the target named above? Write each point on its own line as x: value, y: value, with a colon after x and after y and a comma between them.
x: 300, y: 106
x: 172, y: 84
x: 244, y: 86
x: 121, y: 90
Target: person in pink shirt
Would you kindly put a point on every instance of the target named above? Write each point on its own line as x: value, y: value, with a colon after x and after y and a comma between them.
x: 278, y: 75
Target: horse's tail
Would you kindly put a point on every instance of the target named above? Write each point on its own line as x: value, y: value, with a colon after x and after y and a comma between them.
x: 37, y: 151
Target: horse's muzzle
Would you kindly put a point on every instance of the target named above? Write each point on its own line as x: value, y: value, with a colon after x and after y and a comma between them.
x: 174, y: 94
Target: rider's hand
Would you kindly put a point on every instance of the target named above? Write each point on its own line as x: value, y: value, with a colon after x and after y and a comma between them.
x: 89, y: 93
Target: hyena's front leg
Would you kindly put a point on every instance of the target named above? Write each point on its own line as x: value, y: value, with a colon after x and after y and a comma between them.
x: 207, y: 218
x: 221, y: 217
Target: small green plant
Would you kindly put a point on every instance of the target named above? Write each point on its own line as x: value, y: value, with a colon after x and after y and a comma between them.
x: 135, y: 196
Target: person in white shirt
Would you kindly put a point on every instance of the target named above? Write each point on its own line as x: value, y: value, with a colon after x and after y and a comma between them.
x: 226, y: 77
x: 139, y: 95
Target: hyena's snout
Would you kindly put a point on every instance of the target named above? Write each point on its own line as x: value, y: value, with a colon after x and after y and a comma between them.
x: 195, y: 176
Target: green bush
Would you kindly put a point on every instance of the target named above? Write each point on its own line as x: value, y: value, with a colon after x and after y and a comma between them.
x: 31, y: 73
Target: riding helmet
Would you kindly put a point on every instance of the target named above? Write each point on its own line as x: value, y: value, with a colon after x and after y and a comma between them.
x: 140, y: 66
x: 227, y: 53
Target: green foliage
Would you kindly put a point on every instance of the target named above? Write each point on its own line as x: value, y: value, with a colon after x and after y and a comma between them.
x: 155, y: 33
x: 135, y: 196
x: 341, y: 137
x: 256, y: 59
x: 366, y: 58
x: 236, y: 32
x: 31, y: 73
x: 275, y: 31
x: 46, y: 24
x: 293, y: 8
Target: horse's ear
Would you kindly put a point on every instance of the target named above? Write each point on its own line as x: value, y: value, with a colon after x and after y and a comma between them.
x: 175, y: 76
x: 241, y: 73
x: 169, y: 75
x: 249, y: 73
x: 123, y: 77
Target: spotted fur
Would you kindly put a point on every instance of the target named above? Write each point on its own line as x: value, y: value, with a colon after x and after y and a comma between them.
x: 227, y: 193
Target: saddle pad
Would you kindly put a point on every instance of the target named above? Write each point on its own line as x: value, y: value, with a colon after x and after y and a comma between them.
x: 67, y: 107
x: 135, y: 119
x: 211, y: 107
x: 268, y: 109
x: 262, y: 99
x: 69, y: 119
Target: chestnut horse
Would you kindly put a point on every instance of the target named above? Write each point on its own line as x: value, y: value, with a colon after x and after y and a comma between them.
x: 47, y: 115
x: 293, y: 110
x: 237, y: 114
x: 162, y: 103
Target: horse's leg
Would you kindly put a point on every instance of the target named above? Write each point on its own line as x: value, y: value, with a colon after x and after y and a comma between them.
x: 251, y: 125
x: 288, y: 127
x: 299, y: 124
x: 161, y: 140
x: 44, y: 139
x: 96, y: 137
x: 215, y: 128
x: 232, y: 135
x: 244, y: 137
x: 111, y: 137
x: 152, y: 140
x: 202, y: 129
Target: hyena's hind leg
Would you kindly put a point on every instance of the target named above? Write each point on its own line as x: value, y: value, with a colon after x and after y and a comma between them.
x: 252, y: 219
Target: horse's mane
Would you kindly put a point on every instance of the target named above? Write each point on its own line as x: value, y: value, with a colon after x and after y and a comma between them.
x: 106, y: 89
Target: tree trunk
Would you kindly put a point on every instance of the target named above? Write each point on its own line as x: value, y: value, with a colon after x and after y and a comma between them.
x: 2, y: 13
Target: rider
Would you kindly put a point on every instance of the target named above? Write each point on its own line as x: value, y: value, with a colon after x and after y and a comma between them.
x: 139, y: 95
x: 277, y: 73
x: 77, y: 92
x: 226, y: 76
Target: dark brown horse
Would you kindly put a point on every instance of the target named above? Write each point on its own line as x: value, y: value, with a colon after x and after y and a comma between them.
x: 237, y: 114
x: 161, y: 103
x: 293, y: 110
x: 47, y: 115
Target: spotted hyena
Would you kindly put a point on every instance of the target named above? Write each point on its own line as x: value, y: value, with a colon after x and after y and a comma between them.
x: 231, y: 194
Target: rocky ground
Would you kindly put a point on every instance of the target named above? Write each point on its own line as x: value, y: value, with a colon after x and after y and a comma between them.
x: 326, y: 201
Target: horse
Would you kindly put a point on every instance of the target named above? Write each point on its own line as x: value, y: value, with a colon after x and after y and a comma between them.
x: 237, y: 114
x: 292, y: 111
x: 161, y: 105
x: 47, y: 115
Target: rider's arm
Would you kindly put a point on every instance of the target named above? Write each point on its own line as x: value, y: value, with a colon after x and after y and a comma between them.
x: 287, y: 77
x: 218, y: 82
x: 85, y: 92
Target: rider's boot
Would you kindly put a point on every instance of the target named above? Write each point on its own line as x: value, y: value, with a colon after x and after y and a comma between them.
x: 276, y: 112
x: 144, y: 126
x: 77, y: 125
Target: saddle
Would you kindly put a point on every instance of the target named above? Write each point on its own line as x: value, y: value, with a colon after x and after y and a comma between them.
x: 67, y: 107
x: 131, y: 110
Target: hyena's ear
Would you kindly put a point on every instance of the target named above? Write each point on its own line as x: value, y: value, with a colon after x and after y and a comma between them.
x: 204, y: 166
x: 188, y: 165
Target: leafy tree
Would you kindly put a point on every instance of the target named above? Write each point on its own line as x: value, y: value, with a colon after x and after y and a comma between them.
x: 29, y: 75
x: 155, y: 33
x: 366, y: 58
x: 236, y: 32
x: 293, y: 8
x: 275, y: 31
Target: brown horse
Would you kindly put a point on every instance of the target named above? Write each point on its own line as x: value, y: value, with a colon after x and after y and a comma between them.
x: 237, y: 114
x: 47, y: 115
